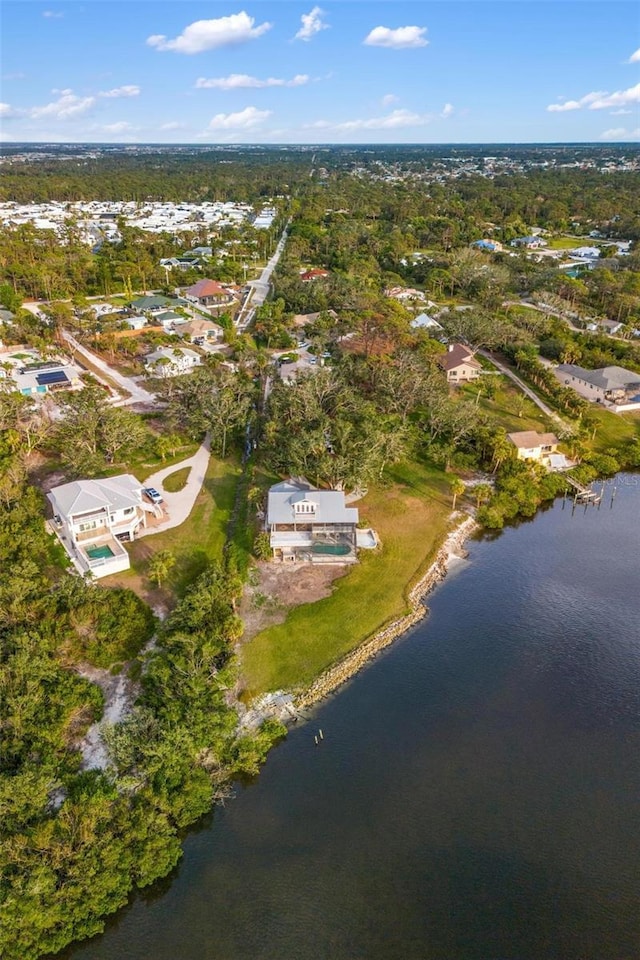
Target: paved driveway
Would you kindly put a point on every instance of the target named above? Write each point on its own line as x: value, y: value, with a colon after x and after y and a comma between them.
x: 179, y: 505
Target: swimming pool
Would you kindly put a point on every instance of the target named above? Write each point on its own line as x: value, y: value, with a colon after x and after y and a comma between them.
x: 331, y: 549
x: 99, y: 551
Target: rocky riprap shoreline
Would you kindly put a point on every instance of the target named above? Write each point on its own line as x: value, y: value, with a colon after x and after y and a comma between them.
x: 346, y: 668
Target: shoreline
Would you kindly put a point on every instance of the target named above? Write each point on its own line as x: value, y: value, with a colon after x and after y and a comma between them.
x: 346, y: 668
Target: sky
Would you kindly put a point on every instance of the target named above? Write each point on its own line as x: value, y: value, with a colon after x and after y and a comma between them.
x: 279, y: 71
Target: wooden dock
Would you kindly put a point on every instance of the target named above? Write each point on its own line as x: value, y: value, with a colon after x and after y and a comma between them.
x: 583, y: 494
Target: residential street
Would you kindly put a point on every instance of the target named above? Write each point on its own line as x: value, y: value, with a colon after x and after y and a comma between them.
x: 262, y: 286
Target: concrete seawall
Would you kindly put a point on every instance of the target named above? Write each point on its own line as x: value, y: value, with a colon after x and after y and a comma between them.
x: 346, y: 668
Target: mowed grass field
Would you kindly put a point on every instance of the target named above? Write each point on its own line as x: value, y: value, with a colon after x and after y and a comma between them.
x: 411, y: 516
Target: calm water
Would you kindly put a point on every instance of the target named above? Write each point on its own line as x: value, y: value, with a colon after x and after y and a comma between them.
x: 476, y: 796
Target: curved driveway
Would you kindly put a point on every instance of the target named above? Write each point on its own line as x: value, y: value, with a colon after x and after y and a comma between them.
x: 179, y: 505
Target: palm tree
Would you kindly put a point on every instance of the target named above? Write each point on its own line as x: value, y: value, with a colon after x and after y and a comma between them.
x: 457, y: 490
x: 160, y: 566
x: 483, y: 493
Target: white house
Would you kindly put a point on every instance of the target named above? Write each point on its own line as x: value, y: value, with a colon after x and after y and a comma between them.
x: 91, y: 517
x: 586, y: 253
x: 171, y: 362
x: 424, y: 322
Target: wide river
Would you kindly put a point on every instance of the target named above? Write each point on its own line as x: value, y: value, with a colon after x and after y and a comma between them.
x: 477, y: 792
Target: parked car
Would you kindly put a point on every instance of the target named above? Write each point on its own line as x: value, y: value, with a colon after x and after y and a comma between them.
x: 153, y: 494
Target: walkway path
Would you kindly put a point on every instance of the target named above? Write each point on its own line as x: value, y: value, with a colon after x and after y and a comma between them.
x: 179, y: 505
x: 137, y: 393
x: 521, y: 384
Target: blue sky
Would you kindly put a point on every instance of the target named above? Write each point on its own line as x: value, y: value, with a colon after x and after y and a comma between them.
x: 339, y: 72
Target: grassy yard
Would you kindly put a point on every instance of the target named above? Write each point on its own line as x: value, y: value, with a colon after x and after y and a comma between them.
x: 568, y: 243
x: 614, y: 429
x: 197, y: 542
x: 410, y: 515
x: 509, y: 408
x: 176, y: 481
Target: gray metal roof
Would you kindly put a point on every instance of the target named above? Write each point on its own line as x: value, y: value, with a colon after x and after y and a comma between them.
x: 330, y: 506
x: 82, y: 496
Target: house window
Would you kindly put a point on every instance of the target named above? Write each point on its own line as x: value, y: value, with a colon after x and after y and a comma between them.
x: 129, y: 511
x: 89, y: 525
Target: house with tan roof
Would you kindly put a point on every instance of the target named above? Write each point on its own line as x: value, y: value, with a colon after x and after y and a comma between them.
x: 200, y: 329
x: 459, y: 364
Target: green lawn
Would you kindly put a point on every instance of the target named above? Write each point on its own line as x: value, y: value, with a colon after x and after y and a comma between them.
x: 196, y: 542
x: 509, y: 408
x: 176, y: 481
x: 411, y: 517
x: 568, y: 243
x: 614, y: 428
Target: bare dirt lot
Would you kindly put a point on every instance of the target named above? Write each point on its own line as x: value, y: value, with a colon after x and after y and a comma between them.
x: 274, y: 588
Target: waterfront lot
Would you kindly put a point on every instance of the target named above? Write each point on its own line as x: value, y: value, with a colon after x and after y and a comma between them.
x: 411, y: 516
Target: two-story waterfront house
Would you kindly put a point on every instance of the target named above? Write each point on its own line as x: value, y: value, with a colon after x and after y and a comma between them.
x: 309, y: 524
x: 91, y: 517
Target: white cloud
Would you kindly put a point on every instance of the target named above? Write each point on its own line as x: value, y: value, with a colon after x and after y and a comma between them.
x: 245, y: 119
x: 242, y: 81
x: 172, y: 125
x: 312, y: 23
x: 210, y: 34
x: 401, y: 38
x: 447, y: 111
x: 388, y: 99
x: 129, y: 90
x: 53, y: 14
x: 620, y: 113
x: 621, y: 133
x: 635, y: 57
x: 121, y: 126
x: 618, y: 99
x: 599, y: 100
x: 390, y: 121
x: 6, y: 110
x: 66, y: 107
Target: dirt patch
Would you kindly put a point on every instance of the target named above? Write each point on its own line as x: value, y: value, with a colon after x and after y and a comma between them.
x: 274, y: 588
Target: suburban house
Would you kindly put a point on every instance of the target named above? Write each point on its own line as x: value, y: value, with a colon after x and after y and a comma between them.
x: 209, y: 293
x: 169, y: 362
x: 424, y: 322
x: 41, y: 377
x: 307, y: 276
x: 135, y: 321
x: 490, y: 246
x: 308, y: 524
x: 533, y: 446
x: 586, y: 253
x: 151, y: 304
x: 531, y: 243
x: 168, y: 319
x: 91, y: 517
x: 403, y: 294
x: 200, y: 329
x: 614, y: 384
x: 302, y: 319
x: 459, y: 364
